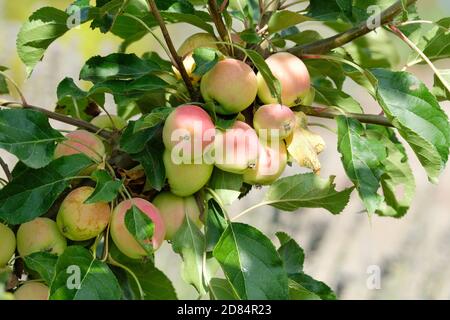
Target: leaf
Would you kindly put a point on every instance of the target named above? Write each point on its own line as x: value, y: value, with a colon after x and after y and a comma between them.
x: 42, y: 28
x: 227, y: 185
x: 79, y: 276
x: 43, y: 263
x: 205, y: 59
x: 106, y: 189
x: 33, y: 191
x: 440, y: 89
x: 250, y: 35
x: 326, y: 69
x: 284, y: 19
x: 291, y: 253
x: 300, y: 37
x: 151, y: 158
x: 220, y: 289
x: 116, y: 66
x: 155, y: 117
x: 215, y: 224
x: 251, y: 264
x: 189, y: 243
x: 134, y: 141
x: 337, y: 98
x: 306, y: 191
x: 153, y: 282
x: 3, y: 84
x: 304, y: 146
x: 141, y: 227
x: 362, y: 158
x: 415, y: 112
x: 397, y: 181
x: 28, y: 135
x: 77, y: 103
x: 330, y: 10
x: 318, y: 288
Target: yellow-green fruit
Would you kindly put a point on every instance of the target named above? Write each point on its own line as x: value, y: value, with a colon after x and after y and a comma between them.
x: 231, y: 84
x: 198, y: 40
x: 111, y: 122
x: 186, y: 179
x: 173, y: 211
x: 293, y: 76
x: 32, y: 291
x: 40, y: 235
x: 81, y: 141
x: 274, y: 121
x: 79, y: 221
x: 272, y: 160
x: 7, y: 244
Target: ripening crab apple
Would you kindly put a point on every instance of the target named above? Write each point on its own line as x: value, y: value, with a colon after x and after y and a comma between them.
x: 123, y: 238
x: 79, y: 221
x: 32, y: 291
x: 293, y: 76
x: 274, y: 121
x: 236, y: 148
x: 232, y: 84
x: 174, y: 209
x: 188, y: 132
x: 7, y: 244
x: 109, y: 122
x: 40, y: 234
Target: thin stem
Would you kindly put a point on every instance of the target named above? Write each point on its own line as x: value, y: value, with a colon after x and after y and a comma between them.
x: 218, y: 21
x: 16, y: 86
x: 243, y: 213
x: 413, y: 46
x: 178, y: 62
x: 117, y: 264
x: 219, y: 201
x: 6, y: 170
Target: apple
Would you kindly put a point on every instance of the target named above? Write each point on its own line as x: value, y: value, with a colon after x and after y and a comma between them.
x: 190, y: 130
x: 274, y: 121
x: 7, y: 244
x: 186, y: 179
x: 236, y: 149
x: 32, y: 291
x: 231, y: 84
x: 173, y: 211
x: 78, y: 221
x: 272, y: 160
x: 123, y: 238
x: 109, y: 122
x: 40, y: 234
x: 293, y: 76
x: 81, y: 141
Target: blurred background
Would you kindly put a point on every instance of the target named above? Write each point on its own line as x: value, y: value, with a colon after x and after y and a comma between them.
x: 412, y: 254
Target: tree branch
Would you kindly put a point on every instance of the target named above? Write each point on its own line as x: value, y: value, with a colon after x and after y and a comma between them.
x: 217, y: 19
x: 328, y: 113
x: 179, y: 63
x: 326, y: 45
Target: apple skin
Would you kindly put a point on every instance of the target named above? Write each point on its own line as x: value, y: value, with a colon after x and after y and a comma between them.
x: 236, y: 149
x: 186, y: 179
x: 110, y: 123
x: 32, y: 291
x: 274, y: 121
x: 40, y: 234
x: 293, y: 76
x: 78, y: 221
x: 7, y: 244
x: 187, y: 128
x: 173, y: 211
x: 232, y: 84
x: 123, y: 239
x: 272, y: 160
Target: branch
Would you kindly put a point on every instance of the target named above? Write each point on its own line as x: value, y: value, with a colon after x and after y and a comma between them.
x: 179, y: 63
x: 328, y: 113
x: 217, y: 19
x: 326, y: 45
x: 6, y: 169
x: 62, y: 118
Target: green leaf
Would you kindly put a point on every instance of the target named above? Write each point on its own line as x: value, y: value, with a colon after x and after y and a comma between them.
x: 215, y: 224
x: 155, y: 117
x: 291, y: 253
x: 284, y: 19
x: 77, y: 103
x: 33, y: 191
x: 227, y: 185
x: 3, y: 84
x: 306, y: 191
x: 416, y: 113
x: 336, y: 98
x: 326, y: 69
x: 43, y: 263
x: 362, y: 158
x: 251, y: 264
x: 318, y: 288
x: 189, y: 243
x: 220, y: 289
x: 397, y: 181
x: 331, y: 10
x: 151, y: 158
x: 79, y: 276
x: 28, y: 135
x: 141, y: 227
x: 42, y: 28
x: 134, y: 141
x: 250, y: 35
x: 440, y: 90
x: 300, y: 37
x: 205, y: 59
x: 154, y: 283
x: 106, y: 189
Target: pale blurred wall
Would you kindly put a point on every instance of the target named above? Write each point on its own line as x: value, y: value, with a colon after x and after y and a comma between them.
x: 413, y: 253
